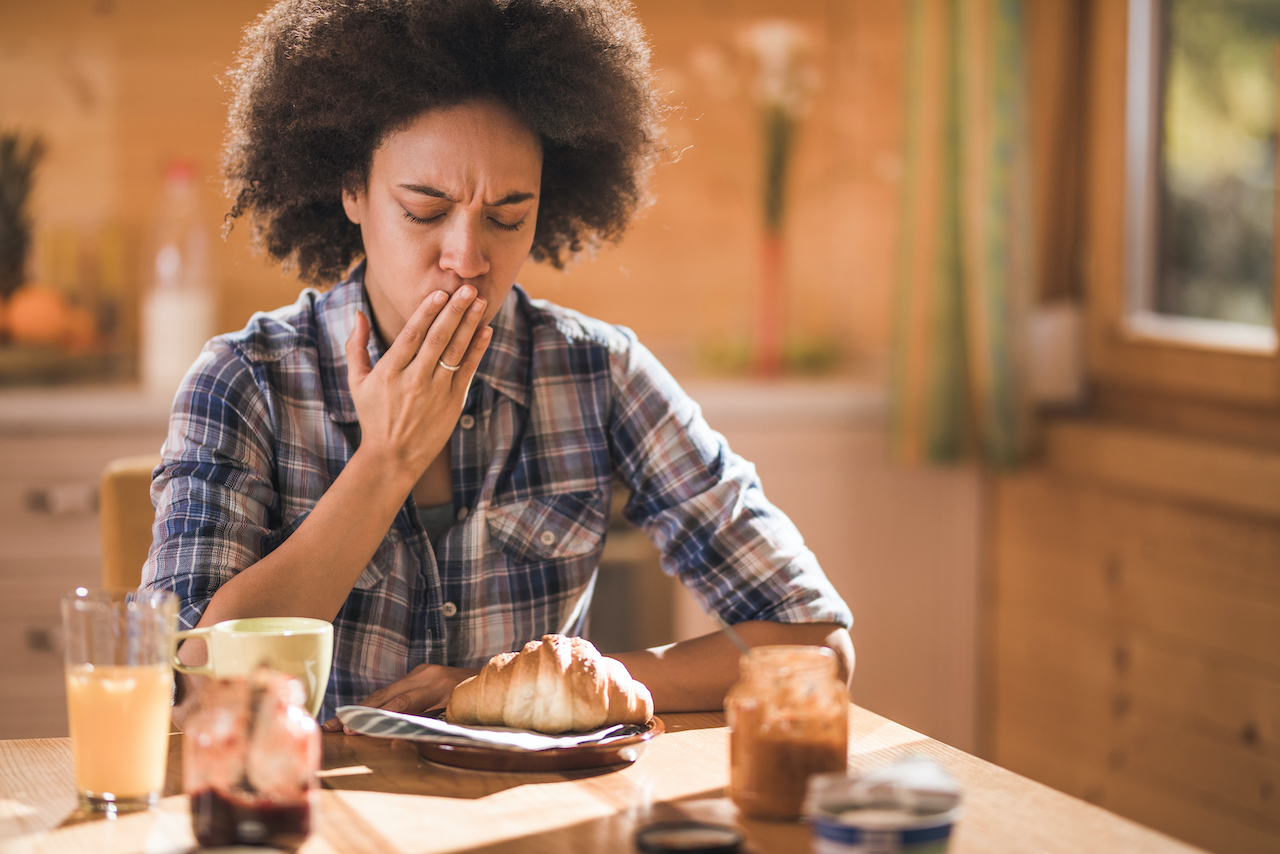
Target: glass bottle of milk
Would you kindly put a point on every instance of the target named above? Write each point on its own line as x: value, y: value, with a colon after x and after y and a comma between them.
x: 178, y: 308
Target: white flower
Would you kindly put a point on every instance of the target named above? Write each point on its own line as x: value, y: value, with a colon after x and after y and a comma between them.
x: 785, y: 75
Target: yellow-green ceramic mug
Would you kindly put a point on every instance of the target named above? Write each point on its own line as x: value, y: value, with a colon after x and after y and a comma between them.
x: 299, y: 646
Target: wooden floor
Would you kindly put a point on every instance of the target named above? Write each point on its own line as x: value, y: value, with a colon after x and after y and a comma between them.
x: 1136, y: 631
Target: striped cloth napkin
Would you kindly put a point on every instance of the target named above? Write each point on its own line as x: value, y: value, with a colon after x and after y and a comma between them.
x: 384, y: 724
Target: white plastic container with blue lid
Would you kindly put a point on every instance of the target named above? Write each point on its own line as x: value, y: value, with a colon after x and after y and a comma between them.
x: 909, y: 807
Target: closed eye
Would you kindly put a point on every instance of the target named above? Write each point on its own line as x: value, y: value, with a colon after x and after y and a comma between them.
x: 421, y: 220
x: 514, y: 226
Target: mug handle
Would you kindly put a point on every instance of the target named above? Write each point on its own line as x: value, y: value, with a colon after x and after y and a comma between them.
x: 205, y: 669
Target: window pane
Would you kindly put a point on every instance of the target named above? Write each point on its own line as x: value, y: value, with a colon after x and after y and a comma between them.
x: 1218, y: 166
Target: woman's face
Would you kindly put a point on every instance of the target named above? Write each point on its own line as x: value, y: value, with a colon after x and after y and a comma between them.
x: 451, y: 200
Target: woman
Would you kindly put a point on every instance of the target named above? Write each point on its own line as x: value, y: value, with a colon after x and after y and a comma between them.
x: 423, y: 454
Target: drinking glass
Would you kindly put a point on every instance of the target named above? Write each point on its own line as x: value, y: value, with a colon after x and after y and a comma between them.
x: 119, y: 650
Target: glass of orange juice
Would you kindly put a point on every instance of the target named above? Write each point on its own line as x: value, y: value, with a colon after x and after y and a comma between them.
x: 119, y: 652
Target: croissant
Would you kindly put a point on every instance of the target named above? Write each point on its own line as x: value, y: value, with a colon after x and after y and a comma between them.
x: 557, y: 684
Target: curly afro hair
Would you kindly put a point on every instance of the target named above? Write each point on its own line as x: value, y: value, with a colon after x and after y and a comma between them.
x: 319, y: 84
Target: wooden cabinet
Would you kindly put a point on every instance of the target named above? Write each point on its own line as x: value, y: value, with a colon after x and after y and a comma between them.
x: 53, y: 449
x: 49, y: 544
x: 1137, y: 630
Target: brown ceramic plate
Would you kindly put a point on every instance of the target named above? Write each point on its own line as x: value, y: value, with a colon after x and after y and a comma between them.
x: 621, y: 751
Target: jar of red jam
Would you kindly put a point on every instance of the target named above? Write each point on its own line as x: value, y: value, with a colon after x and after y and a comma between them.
x: 250, y: 756
x: 788, y: 719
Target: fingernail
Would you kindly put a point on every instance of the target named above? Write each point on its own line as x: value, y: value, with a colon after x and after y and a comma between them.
x: 466, y: 292
x: 439, y: 298
x: 478, y: 305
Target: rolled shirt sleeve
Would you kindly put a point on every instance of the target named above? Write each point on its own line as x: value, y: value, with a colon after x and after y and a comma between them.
x: 215, y: 501
x: 704, y: 507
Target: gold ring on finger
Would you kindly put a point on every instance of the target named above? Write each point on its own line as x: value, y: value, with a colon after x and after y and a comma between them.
x: 449, y: 367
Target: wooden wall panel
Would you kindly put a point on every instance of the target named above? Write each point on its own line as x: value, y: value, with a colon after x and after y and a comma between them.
x: 1210, y: 473
x: 1136, y: 623
x: 1223, y: 698
x: 1180, y: 813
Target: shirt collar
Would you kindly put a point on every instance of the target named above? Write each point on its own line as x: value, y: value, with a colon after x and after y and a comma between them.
x: 504, y: 368
x: 337, y: 318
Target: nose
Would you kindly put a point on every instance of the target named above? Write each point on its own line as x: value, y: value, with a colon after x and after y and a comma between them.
x: 462, y: 250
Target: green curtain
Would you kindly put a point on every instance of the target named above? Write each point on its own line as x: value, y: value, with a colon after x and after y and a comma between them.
x: 964, y: 263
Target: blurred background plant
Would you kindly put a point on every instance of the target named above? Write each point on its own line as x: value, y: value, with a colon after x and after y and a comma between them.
x: 18, y: 160
x: 786, y: 78
x: 46, y: 335
x: 19, y: 157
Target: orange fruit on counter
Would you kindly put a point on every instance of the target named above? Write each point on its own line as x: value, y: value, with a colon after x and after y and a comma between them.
x: 81, y: 333
x: 38, y: 314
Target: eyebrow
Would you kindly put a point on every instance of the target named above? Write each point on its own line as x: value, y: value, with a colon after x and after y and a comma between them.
x: 509, y: 199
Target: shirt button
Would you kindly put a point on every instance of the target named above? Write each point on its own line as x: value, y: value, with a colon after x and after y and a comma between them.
x: 449, y: 609
x: 468, y: 422
x: 548, y: 538
x: 462, y: 513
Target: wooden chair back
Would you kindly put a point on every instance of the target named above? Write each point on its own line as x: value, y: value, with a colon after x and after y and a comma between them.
x: 126, y: 514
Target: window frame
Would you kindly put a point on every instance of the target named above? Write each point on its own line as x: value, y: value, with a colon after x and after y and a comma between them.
x: 1128, y: 345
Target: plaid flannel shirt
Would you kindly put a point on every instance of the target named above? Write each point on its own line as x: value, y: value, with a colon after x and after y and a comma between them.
x: 561, y: 406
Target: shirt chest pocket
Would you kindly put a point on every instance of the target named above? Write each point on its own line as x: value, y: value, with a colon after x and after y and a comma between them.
x: 549, y: 527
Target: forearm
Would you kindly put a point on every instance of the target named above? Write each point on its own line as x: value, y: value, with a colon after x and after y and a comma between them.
x: 694, y: 675
x: 311, y: 573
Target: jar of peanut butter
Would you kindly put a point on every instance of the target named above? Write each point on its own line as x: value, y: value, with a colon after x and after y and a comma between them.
x: 788, y: 719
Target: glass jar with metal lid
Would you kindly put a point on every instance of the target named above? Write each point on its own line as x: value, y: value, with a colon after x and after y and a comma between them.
x: 788, y: 719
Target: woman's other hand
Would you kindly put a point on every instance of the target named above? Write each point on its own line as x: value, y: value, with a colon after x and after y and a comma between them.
x: 409, y: 402
x: 426, y: 687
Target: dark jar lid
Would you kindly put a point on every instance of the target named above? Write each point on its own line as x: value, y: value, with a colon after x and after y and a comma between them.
x: 688, y: 837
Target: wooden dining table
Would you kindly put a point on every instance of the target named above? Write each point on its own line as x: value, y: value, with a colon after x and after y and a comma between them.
x: 379, y: 796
